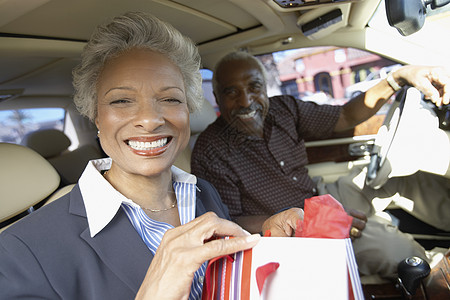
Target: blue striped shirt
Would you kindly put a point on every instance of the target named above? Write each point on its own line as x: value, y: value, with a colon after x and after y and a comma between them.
x: 152, y: 231
x: 102, y: 201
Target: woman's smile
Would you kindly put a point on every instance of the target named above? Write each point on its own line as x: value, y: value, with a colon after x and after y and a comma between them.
x: 149, y: 146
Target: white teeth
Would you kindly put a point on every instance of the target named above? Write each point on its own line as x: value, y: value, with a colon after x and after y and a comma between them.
x: 247, y: 116
x: 137, y: 145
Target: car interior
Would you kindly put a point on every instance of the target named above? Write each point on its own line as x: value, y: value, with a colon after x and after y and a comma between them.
x: 41, y: 41
x: 52, y: 144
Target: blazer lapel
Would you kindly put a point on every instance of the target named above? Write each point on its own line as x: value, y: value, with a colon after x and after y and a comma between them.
x: 199, y: 207
x: 121, y: 248
x: 118, y: 245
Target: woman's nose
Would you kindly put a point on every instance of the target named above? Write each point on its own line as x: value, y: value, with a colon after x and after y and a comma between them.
x: 149, y: 116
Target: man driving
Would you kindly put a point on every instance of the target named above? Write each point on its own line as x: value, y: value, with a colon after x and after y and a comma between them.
x: 254, y: 153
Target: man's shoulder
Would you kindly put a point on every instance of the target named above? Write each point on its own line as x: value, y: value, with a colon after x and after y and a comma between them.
x: 216, y: 148
x: 286, y: 101
x: 281, y: 98
x: 282, y: 106
x: 212, y: 129
x: 214, y: 138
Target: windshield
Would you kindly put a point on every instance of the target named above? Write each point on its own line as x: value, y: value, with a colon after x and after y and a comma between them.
x: 433, y: 35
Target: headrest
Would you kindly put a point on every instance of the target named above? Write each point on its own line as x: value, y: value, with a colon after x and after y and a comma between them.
x: 26, y: 178
x: 200, y: 119
x: 47, y: 142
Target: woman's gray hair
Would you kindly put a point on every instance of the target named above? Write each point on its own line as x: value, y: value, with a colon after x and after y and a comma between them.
x: 236, y: 56
x: 129, y: 31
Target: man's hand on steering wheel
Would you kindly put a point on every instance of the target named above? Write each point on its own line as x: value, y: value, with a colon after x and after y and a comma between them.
x: 433, y: 82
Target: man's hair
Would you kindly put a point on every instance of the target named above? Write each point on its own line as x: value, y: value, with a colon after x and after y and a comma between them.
x: 135, y: 30
x: 236, y: 56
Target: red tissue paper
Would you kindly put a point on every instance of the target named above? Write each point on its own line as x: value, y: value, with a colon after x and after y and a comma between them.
x: 324, y: 217
x: 264, y: 271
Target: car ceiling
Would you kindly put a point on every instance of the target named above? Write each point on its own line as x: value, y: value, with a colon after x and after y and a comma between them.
x: 41, y: 40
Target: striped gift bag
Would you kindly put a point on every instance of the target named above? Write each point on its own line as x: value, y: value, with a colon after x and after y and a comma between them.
x: 286, y: 268
x: 320, y: 255
x: 227, y: 277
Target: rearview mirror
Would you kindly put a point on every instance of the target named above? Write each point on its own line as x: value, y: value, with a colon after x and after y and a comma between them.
x: 408, y: 16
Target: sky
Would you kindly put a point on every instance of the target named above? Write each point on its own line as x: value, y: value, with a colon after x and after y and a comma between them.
x: 38, y: 115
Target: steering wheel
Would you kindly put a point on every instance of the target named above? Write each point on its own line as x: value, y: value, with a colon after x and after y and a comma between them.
x: 409, y: 140
x: 377, y: 171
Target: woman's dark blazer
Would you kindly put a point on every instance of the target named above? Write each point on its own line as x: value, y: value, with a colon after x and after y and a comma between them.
x: 50, y: 254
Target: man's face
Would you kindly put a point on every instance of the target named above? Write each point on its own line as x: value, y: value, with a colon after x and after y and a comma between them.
x: 241, y: 96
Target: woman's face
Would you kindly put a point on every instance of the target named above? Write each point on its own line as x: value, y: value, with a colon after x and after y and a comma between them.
x: 143, y: 116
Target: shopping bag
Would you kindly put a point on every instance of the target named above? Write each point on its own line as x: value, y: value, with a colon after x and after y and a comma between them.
x: 292, y: 268
x: 299, y: 268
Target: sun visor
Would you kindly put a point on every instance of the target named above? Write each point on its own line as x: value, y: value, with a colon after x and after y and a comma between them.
x: 318, y: 23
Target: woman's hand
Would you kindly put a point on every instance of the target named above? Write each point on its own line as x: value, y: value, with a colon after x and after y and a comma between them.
x: 284, y: 223
x: 184, y: 249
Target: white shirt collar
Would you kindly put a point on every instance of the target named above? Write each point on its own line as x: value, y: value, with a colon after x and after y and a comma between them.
x: 179, y: 175
x: 102, y: 200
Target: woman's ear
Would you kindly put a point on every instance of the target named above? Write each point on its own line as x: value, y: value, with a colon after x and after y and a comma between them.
x: 96, y: 123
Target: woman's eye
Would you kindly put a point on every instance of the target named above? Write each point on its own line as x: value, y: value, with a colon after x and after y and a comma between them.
x: 172, y: 100
x: 120, y: 101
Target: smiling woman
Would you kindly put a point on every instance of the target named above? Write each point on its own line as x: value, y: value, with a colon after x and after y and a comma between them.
x: 134, y: 225
x: 139, y: 102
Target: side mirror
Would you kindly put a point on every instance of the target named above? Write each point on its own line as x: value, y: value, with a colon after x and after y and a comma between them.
x: 408, y: 16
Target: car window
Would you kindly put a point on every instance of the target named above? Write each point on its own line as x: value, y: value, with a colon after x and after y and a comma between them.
x: 324, y: 75
x: 208, y: 88
x: 15, y: 124
x: 316, y: 73
x: 327, y: 75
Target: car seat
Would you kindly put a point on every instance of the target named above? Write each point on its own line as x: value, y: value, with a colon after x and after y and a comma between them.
x: 199, y: 120
x: 27, y: 180
x: 53, y: 145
